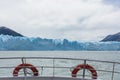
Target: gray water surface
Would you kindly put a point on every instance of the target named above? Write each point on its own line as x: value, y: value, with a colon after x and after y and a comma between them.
x: 96, y: 55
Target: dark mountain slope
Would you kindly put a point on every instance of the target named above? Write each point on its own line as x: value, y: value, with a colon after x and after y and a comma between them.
x: 7, y: 31
x: 114, y: 37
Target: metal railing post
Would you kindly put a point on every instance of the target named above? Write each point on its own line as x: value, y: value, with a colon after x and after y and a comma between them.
x: 113, y: 71
x: 53, y: 67
x: 24, y: 69
x: 84, y: 69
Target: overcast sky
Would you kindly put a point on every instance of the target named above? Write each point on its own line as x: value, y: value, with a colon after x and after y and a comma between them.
x: 81, y: 20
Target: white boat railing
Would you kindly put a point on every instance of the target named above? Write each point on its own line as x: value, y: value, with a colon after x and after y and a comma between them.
x: 59, y: 67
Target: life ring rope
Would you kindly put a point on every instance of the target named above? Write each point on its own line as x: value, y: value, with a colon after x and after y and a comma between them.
x: 29, y: 66
x: 82, y: 66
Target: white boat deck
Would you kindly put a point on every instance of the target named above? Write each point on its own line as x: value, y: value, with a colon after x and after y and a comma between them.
x: 41, y: 78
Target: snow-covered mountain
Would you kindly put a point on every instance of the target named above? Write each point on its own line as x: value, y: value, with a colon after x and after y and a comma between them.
x: 8, y: 42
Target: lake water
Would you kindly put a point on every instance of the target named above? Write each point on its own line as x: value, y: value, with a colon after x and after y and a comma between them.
x: 95, y: 55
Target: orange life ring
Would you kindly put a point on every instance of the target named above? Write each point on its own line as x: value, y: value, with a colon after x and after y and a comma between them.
x: 20, y: 66
x: 81, y: 66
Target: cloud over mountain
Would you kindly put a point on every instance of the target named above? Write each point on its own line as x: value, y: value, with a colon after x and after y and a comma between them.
x: 113, y: 2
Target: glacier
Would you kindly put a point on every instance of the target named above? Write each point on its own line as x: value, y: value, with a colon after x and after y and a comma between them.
x: 11, y: 43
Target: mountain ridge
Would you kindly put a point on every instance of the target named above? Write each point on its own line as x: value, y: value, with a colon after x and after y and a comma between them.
x: 114, y: 37
x: 7, y: 31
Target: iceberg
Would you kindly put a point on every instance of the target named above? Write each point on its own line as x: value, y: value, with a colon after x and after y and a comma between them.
x: 8, y: 43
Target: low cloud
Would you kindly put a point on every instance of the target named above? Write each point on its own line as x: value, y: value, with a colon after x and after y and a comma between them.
x: 72, y: 19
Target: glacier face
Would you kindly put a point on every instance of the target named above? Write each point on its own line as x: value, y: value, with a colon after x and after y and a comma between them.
x: 24, y: 43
